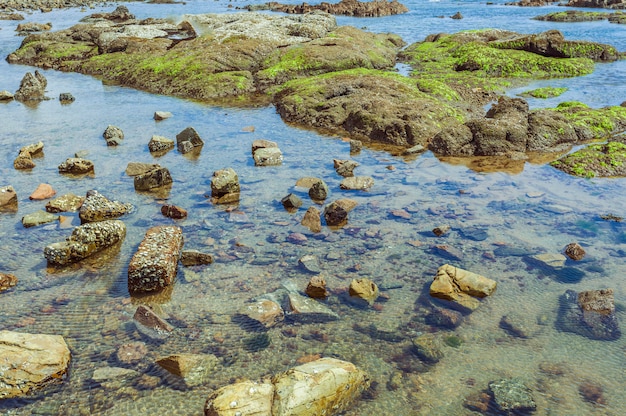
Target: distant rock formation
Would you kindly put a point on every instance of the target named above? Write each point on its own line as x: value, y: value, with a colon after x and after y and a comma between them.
x: 375, y: 8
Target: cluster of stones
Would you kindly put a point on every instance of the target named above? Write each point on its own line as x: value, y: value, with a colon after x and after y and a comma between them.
x: 375, y: 8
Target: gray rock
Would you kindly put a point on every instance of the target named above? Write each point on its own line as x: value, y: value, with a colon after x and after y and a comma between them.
x: 427, y: 348
x: 511, y: 395
x: 310, y: 263
x: 138, y: 168
x: 268, y: 156
x: 265, y: 313
x: 114, y: 377
x: 318, y: 191
x: 162, y: 115
x: 519, y: 325
x: 225, y: 182
x: 32, y: 87
x: 156, y: 178
x: 189, y: 135
x: 66, y: 98
x: 113, y: 135
x: 307, y: 310
x: 38, y: 218
x: 85, y: 240
x: 355, y: 146
x: 548, y: 260
x: 30, y: 362
x: 357, y: 183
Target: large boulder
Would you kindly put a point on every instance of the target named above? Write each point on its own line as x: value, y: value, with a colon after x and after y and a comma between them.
x: 326, y: 386
x: 155, y: 263
x: 30, y: 362
x: 85, y: 240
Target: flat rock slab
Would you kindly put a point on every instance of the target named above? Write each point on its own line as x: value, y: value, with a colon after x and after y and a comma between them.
x: 461, y: 286
x: 305, y: 309
x: 154, y: 265
x: 65, y: 203
x: 30, y: 361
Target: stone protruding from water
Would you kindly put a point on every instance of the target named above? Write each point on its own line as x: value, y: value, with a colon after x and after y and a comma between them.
x: 153, y: 179
x: 160, y: 144
x: 291, y: 202
x: 318, y: 190
x: 266, y: 153
x: 363, y: 291
x: 154, y: 265
x: 225, y: 186
x: 306, y: 310
x: 24, y: 159
x: 32, y: 87
x: 30, y: 362
x: 77, y: 166
x: 173, y: 211
x: 113, y: 135
x: 461, y: 287
x: 316, y: 288
x: 65, y: 203
x: 336, y: 213
x: 345, y: 168
x: 7, y: 281
x: 574, y: 251
x: 85, y: 240
x: 97, y: 207
x: 589, y: 313
x: 326, y: 386
x: 188, y: 140
x: 8, y: 199
x: 357, y: 183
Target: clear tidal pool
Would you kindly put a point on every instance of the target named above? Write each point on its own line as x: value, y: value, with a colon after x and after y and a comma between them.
x: 527, y: 205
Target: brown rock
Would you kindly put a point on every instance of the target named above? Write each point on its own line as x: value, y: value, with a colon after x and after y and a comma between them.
x: 173, y: 211
x: 364, y: 289
x: 307, y: 182
x: 592, y: 392
x: 151, y: 324
x: 574, y: 251
x: 30, y: 362
x: 132, y: 353
x: 76, y: 166
x: 195, y: 258
x: 43, y: 191
x: 195, y: 369
x: 154, y: 265
x: 441, y: 230
x: 317, y: 288
x: 139, y: 168
x: 345, y: 168
x: 357, y: 183
x: 291, y: 202
x: 312, y: 220
x: 7, y: 281
x: 461, y: 286
x: 8, y: 199
x: 264, y: 312
x: 65, y: 203
x: 263, y: 144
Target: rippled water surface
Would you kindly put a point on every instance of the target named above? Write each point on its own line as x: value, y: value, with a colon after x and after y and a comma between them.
x: 530, y: 206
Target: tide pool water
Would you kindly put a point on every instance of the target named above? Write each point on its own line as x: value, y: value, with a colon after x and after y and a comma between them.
x: 528, y: 206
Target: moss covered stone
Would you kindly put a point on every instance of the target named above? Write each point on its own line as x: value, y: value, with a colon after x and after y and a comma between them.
x: 545, y: 92
x: 596, y: 160
x: 593, y: 124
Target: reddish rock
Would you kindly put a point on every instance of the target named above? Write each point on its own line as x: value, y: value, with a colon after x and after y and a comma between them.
x: 173, y: 211
x: 151, y: 324
x: 43, y: 191
x: 154, y: 265
x: 132, y: 353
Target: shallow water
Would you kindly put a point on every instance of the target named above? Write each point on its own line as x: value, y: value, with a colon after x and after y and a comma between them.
x: 530, y: 206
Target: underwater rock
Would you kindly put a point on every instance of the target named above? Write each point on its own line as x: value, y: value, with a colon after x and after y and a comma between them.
x: 316, y: 288
x: 194, y: 369
x: 310, y: 263
x: 113, y: 135
x: 519, y: 325
x: 97, y: 207
x: 307, y: 310
x: 511, y: 395
x: 444, y: 318
x: 30, y: 362
x: 589, y: 313
x: 461, y: 287
x: 85, y: 240
x: 427, y: 348
x: 114, y: 377
x: 363, y: 291
x: 150, y: 324
x: 195, y: 258
x: 264, y: 312
x: 548, y: 260
x: 154, y: 264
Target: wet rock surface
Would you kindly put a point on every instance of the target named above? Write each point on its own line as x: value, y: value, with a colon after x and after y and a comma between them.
x: 30, y: 362
x: 86, y: 240
x: 97, y: 207
x: 375, y: 8
x: 154, y: 265
x: 461, y: 287
x: 589, y: 313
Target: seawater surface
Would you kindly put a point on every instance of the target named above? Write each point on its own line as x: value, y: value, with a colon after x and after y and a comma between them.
x: 527, y: 206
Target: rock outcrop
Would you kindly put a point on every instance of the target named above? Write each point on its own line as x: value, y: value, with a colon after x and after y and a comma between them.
x: 30, y: 362
x: 85, y: 240
x: 374, y: 8
x: 32, y: 87
x: 154, y: 265
x: 326, y: 386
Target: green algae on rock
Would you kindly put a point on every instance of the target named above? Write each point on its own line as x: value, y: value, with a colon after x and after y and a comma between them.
x: 596, y: 160
x: 545, y: 92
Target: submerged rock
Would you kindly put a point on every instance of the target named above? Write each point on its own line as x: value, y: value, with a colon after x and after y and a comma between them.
x: 326, y: 386
x: 65, y: 203
x: 155, y: 263
x: 30, y: 362
x: 511, y: 395
x: 38, y: 218
x: 151, y: 325
x: 113, y: 135
x: 461, y: 287
x: 194, y: 369
x: 589, y: 313
x: 86, y: 240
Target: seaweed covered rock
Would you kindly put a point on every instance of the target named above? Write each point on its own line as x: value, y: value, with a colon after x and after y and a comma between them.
x: 589, y: 313
x: 596, y: 160
x: 369, y: 104
x: 374, y: 8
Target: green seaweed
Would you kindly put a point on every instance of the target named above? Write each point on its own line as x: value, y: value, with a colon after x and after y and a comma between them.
x: 545, y: 92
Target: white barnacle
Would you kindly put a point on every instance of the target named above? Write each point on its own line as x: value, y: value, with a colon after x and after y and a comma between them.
x: 233, y: 404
